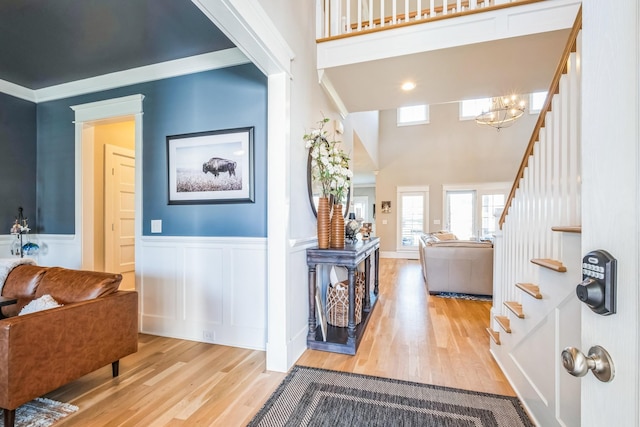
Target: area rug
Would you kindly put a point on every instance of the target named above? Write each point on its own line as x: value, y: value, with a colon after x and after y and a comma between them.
x: 317, y: 397
x: 41, y: 412
x: 465, y: 296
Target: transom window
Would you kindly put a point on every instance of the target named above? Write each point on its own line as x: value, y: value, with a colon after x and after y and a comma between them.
x: 536, y: 101
x: 413, y: 115
x: 472, y: 108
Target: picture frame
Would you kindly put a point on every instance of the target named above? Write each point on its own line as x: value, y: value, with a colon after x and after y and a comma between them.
x: 211, y: 167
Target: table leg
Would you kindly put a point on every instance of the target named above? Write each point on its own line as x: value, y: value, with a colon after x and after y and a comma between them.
x: 312, y: 304
x: 377, y: 270
x: 351, y: 338
x: 367, y: 279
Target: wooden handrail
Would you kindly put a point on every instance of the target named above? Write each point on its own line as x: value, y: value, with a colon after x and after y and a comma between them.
x: 422, y: 21
x: 554, y: 88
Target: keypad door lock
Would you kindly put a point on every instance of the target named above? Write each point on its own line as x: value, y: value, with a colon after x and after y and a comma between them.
x: 598, y: 287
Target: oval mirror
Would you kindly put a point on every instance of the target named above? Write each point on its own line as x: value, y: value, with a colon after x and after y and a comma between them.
x: 315, y: 190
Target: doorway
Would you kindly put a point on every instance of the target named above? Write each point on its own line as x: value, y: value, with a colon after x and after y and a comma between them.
x: 113, y: 171
x: 123, y: 115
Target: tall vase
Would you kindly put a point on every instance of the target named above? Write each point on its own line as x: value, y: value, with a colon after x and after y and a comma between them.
x: 324, y: 222
x: 337, y: 228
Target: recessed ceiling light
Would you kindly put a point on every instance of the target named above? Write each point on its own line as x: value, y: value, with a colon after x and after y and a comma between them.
x: 407, y: 86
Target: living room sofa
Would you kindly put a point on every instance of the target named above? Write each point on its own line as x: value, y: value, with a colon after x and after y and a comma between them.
x: 95, y: 326
x: 458, y: 266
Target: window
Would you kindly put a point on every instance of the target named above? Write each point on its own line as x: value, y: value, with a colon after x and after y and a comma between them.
x: 472, y: 108
x: 360, y: 204
x: 472, y: 211
x: 460, y: 213
x: 536, y: 101
x: 492, y: 206
x: 414, y: 115
x: 413, y: 215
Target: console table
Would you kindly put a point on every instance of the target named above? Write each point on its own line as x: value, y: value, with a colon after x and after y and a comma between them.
x: 344, y: 340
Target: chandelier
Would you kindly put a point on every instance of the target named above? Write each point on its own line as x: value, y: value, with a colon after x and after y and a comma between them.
x: 504, y: 111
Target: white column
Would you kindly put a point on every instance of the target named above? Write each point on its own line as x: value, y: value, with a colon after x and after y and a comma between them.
x: 278, y: 222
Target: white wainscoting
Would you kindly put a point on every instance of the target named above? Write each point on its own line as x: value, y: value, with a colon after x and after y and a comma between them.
x: 55, y: 250
x: 298, y: 298
x: 209, y: 289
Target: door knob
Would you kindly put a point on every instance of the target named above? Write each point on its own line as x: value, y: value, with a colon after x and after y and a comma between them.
x: 598, y: 361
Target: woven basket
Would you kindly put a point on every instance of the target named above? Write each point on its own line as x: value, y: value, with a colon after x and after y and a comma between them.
x: 338, y: 302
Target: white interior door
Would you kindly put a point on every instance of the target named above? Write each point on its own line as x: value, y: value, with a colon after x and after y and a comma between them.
x: 119, y: 213
x: 611, y: 200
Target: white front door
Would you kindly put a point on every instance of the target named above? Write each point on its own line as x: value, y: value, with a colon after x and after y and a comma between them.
x: 119, y: 213
x: 611, y: 200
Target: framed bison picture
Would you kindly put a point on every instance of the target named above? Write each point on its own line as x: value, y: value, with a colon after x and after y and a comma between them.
x: 211, y: 167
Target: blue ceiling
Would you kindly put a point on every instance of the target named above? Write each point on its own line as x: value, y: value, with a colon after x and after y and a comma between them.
x: 49, y: 42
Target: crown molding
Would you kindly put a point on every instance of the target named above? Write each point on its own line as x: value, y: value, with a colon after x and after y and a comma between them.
x: 163, y: 70
x: 17, y: 91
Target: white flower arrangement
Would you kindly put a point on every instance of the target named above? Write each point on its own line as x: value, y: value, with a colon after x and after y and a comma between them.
x: 330, y: 165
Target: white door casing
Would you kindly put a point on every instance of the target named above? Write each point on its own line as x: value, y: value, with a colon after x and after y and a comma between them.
x: 85, y: 115
x: 119, y: 213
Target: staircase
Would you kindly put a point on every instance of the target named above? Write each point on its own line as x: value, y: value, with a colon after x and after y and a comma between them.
x: 535, y: 311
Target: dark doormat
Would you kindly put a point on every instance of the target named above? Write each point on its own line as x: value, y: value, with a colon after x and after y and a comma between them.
x: 318, y: 397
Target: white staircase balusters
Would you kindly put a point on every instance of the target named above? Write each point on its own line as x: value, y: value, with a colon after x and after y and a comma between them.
x: 350, y: 17
x: 547, y: 194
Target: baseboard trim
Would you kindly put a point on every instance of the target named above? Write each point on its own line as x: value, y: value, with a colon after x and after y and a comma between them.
x: 399, y: 255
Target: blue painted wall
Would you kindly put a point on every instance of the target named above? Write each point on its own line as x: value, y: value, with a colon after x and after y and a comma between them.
x: 218, y: 99
x: 17, y: 161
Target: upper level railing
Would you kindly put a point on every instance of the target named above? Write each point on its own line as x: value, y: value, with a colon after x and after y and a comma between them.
x: 343, y: 18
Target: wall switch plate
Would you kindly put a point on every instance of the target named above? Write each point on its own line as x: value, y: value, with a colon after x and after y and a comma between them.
x: 436, y: 222
x: 156, y: 226
x: 384, y: 222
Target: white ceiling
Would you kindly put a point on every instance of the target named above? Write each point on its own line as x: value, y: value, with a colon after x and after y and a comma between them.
x: 517, y: 65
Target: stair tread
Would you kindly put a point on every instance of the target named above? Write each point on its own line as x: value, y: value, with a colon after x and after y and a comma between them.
x: 495, y: 336
x: 530, y: 289
x: 504, y: 323
x: 551, y: 264
x: 515, y: 307
x: 568, y: 228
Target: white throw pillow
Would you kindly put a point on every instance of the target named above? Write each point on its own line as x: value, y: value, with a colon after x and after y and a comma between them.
x: 45, y: 302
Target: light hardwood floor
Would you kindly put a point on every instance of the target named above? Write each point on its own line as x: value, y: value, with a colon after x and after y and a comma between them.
x: 411, y: 336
